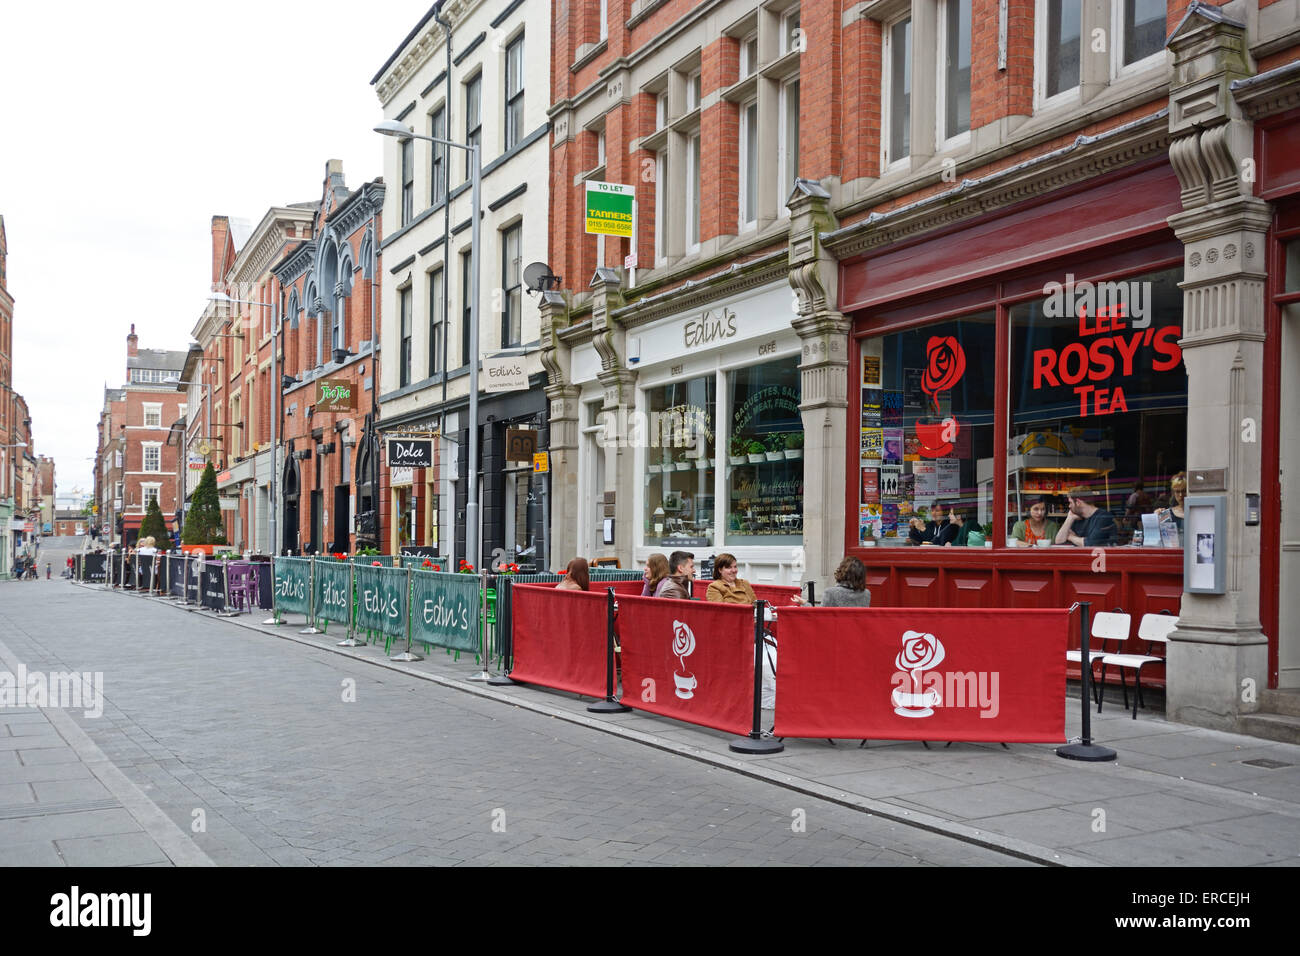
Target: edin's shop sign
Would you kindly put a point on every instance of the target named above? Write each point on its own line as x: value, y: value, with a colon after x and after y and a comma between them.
x: 335, y: 395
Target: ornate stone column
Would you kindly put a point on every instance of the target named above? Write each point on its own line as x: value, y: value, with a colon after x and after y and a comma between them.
x: 1218, y: 656
x: 619, y: 382
x: 563, y: 399
x: 824, y: 376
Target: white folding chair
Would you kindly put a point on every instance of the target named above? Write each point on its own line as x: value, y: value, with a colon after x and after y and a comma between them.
x: 1154, y: 629
x: 1106, y: 626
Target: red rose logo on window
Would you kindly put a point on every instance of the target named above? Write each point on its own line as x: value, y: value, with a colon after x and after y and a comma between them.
x: 945, y: 364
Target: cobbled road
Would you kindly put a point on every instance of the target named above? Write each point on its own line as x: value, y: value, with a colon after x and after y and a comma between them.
x: 297, y: 756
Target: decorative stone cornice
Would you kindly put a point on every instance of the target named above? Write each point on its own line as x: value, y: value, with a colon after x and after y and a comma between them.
x: 1085, y: 158
x: 420, y: 49
x: 553, y: 317
x: 297, y: 263
x: 607, y: 286
x: 1266, y: 94
x: 365, y: 202
x: 737, y: 278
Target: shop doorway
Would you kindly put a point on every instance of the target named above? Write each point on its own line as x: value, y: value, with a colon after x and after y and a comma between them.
x: 1288, y: 631
x: 317, y: 537
x: 342, y: 518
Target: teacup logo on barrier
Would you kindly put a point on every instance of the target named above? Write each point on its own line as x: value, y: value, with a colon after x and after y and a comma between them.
x: 916, y: 693
x: 684, y: 647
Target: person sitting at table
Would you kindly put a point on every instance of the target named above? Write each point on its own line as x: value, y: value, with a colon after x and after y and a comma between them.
x: 1086, y: 526
x: 726, y: 586
x: 681, y: 567
x: 960, y: 527
x: 850, y: 588
x: 930, y: 533
x: 577, y: 576
x: 656, y: 571
x: 1177, y: 492
x: 1035, y: 528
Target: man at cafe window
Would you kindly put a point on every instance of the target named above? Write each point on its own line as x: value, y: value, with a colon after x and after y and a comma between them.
x: 1086, y: 525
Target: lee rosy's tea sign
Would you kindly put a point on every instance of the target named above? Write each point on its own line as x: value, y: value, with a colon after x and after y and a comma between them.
x: 335, y: 395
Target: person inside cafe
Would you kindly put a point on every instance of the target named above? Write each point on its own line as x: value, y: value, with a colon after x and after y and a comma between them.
x: 1177, y: 492
x: 960, y: 527
x: 1086, y: 525
x: 935, y: 532
x: 727, y: 587
x: 1035, y: 528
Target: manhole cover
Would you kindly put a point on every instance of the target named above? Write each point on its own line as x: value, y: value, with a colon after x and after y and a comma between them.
x: 1266, y: 763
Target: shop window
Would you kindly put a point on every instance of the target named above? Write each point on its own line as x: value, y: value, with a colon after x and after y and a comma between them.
x: 926, y: 429
x: 765, y: 456
x: 1099, y: 401
x: 678, y: 434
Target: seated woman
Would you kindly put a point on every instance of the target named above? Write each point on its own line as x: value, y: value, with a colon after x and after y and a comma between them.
x: 656, y: 572
x: 959, y: 527
x: 577, y: 577
x: 850, y: 589
x: 726, y: 587
x: 930, y: 533
x: 1177, y: 492
x: 1035, y: 528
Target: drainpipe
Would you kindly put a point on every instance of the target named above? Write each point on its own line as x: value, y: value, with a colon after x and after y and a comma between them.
x: 446, y: 257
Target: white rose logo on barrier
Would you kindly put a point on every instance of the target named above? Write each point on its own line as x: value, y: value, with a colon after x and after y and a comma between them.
x: 920, y: 652
x: 683, y: 647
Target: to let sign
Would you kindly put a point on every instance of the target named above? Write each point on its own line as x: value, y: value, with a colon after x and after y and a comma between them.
x: 504, y: 374
x: 609, y: 209
x: 335, y: 395
x: 410, y: 453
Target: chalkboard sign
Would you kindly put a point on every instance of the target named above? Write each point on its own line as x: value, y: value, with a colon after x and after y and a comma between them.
x: 213, y: 586
x: 94, y: 567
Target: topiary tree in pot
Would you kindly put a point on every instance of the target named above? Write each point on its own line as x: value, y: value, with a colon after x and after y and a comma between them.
x: 203, y: 523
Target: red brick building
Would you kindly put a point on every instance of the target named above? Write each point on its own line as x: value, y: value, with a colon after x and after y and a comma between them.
x: 331, y: 473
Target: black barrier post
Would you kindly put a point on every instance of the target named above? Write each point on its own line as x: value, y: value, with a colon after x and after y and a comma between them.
x: 1086, y: 749
x: 274, y: 619
x: 505, y: 630
x: 812, y: 593
x: 406, y: 655
x: 610, y: 704
x: 755, y: 743
x: 226, y: 610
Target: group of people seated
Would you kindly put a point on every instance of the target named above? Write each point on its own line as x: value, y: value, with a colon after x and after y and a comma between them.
x: 671, y: 576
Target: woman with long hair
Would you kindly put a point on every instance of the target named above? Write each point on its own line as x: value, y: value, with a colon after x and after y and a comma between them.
x: 577, y: 576
x: 656, y: 572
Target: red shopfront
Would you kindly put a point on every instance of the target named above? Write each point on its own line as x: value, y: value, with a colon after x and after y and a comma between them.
x: 986, y: 377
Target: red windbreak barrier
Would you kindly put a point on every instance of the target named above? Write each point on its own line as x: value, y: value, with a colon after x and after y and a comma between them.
x: 777, y: 594
x: 689, y: 660
x: 559, y: 638
x: 922, y: 674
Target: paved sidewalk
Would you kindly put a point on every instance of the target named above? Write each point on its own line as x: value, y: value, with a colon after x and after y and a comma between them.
x: 1176, y: 796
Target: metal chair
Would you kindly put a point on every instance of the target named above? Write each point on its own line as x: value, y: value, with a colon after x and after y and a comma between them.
x: 1154, y: 629
x: 241, y: 579
x: 1106, y: 626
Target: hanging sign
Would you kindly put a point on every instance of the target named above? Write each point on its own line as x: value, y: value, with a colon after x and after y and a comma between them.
x: 521, y: 444
x: 609, y: 209
x: 335, y: 395
x: 504, y: 374
x: 410, y: 453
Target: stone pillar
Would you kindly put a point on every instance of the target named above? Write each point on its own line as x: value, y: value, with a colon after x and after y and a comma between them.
x: 1218, y: 656
x: 619, y: 383
x: 564, y: 431
x: 824, y: 376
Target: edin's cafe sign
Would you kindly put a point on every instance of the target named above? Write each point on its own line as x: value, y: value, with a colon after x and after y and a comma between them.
x: 335, y: 395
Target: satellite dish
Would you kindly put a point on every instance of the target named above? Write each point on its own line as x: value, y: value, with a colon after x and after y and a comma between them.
x: 538, y: 277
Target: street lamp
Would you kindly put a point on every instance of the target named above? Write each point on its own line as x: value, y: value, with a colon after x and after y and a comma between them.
x: 401, y: 132
x: 274, y: 305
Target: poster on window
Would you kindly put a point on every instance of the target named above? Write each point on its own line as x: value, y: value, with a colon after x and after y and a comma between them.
x: 871, y: 410
x: 893, y: 439
x: 889, y: 482
x: 926, y: 476
x: 873, y: 443
x: 869, y: 522
x: 913, y: 394
x: 889, y: 520
x: 949, y: 478
x: 891, y: 408
x: 870, y: 370
x: 870, y: 486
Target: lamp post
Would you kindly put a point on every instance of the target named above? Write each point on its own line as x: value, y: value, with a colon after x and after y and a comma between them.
x: 274, y: 305
x: 396, y: 129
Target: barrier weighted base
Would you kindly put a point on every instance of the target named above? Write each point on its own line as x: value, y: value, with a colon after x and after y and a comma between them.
x: 502, y: 680
x: 350, y: 642
x: 608, y: 707
x: 406, y: 656
x: 756, y: 745
x: 1091, y: 753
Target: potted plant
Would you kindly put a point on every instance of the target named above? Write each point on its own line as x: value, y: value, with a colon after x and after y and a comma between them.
x: 204, y: 527
x: 794, y: 445
x: 757, y: 451
x: 775, y: 446
x: 738, y: 448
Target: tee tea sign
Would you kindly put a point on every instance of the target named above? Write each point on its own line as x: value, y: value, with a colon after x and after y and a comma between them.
x: 609, y: 209
x: 335, y: 395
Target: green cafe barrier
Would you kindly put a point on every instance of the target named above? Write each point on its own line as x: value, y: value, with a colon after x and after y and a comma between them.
x: 332, y: 591
x: 384, y: 560
x: 293, y: 590
x: 445, y: 609
x: 380, y: 600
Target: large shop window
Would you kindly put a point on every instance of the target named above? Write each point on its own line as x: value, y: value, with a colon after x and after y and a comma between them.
x: 759, y: 446
x: 926, y: 428
x: 1099, y: 401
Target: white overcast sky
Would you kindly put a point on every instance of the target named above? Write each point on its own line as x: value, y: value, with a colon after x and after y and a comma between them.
x: 124, y: 128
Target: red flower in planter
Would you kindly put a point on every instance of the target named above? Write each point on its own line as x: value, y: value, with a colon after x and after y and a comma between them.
x: 340, y: 556
x: 427, y: 563
x: 376, y: 564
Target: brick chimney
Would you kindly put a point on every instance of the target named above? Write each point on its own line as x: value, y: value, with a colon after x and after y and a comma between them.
x: 220, y: 240
x: 131, y: 343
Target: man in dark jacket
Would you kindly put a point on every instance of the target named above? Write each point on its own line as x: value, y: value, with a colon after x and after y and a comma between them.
x: 681, y: 572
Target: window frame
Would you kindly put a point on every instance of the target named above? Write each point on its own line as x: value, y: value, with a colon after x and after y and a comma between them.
x: 404, y: 350
x: 436, y: 317
x: 1118, y: 67
x: 513, y: 119
x: 888, y: 161
x: 152, y: 408
x: 407, y: 150
x: 747, y: 165
x: 694, y: 184
x: 145, y: 488
x: 1071, y: 94
x: 943, y: 141
x: 661, y: 208
x: 145, y: 448
x: 787, y: 164
x: 512, y: 306
x: 438, y: 179
x: 473, y: 119
x: 467, y: 277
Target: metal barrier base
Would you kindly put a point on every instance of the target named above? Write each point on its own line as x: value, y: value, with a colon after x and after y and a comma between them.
x: 406, y: 656
x: 502, y: 680
x: 756, y: 745
x: 309, y: 629
x: 1089, y: 752
x: 480, y: 676
x: 607, y: 707
x: 272, y: 620
x: 350, y: 642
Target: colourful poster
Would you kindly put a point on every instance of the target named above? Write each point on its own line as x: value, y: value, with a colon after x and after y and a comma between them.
x: 871, y: 407
x: 890, y: 476
x: 911, y: 446
x: 870, y: 486
x: 889, y: 520
x: 893, y: 444
x: 870, y: 371
x: 949, y: 475
x: 926, y: 476
x: 868, y: 522
x: 873, y: 443
x: 891, y: 408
